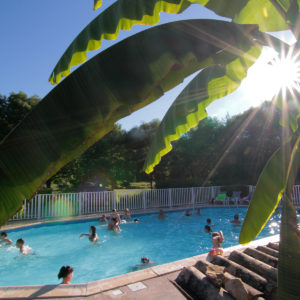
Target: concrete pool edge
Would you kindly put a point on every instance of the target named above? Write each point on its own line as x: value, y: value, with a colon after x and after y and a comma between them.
x: 112, y: 283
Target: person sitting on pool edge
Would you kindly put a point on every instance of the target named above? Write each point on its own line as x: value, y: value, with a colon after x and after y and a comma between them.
x: 25, y: 250
x: 103, y: 219
x: 187, y: 213
x: 93, y: 236
x: 217, y: 240
x: 66, y: 273
x: 161, y: 214
x: 4, y: 239
x: 236, y: 220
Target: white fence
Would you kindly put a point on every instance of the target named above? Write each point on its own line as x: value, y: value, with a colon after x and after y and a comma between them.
x: 46, y: 206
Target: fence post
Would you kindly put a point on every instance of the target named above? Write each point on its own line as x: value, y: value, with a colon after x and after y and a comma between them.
x: 193, y: 198
x: 170, y: 198
x: 79, y: 204
x: 144, y: 200
x: 115, y: 199
x: 39, y: 207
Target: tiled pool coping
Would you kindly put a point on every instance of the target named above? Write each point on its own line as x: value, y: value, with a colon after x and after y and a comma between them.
x: 104, y: 285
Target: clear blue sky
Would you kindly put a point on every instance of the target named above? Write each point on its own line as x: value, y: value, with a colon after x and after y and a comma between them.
x: 35, y: 33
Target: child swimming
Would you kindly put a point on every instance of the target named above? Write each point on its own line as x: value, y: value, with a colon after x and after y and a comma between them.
x: 66, y: 273
x: 25, y: 250
x: 93, y: 236
x: 3, y: 238
x: 187, y: 213
x: 236, y: 220
x: 207, y: 229
x: 103, y: 219
x: 161, y: 214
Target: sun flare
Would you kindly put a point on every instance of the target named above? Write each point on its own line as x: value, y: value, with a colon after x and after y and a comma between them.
x: 270, y: 75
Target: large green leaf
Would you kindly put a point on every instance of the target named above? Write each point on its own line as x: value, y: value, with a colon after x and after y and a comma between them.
x: 116, y: 82
x: 123, y: 14
x: 190, y: 106
x: 97, y: 4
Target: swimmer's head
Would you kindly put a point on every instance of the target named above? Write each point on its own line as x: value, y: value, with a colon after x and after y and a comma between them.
x: 208, y: 221
x: 214, y: 234
x: 114, y: 210
x: 66, y: 272
x: 236, y: 217
x: 145, y: 260
x: 20, y: 243
x: 136, y: 220
x: 3, y: 234
x: 93, y: 230
x: 207, y: 228
x: 161, y: 211
x: 127, y: 209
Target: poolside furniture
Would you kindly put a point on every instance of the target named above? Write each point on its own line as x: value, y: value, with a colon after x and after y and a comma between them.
x: 222, y: 199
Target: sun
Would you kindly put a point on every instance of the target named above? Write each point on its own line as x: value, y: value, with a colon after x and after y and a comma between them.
x: 270, y: 75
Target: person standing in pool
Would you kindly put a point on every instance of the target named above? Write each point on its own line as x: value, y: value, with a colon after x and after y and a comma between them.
x: 116, y: 215
x: 102, y: 219
x: 207, y: 229
x: 93, y: 236
x: 187, y: 213
x: 208, y: 221
x: 127, y: 214
x: 236, y: 220
x: 3, y: 238
x: 66, y: 273
x: 161, y: 214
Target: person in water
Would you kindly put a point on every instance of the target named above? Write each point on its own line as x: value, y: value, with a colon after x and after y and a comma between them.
x: 20, y: 243
x: 103, y: 219
x: 236, y: 220
x: 146, y: 261
x: 198, y: 212
x: 208, y: 221
x: 161, y: 214
x: 66, y: 273
x: 207, y: 229
x: 3, y: 238
x: 187, y: 213
x: 116, y: 215
x: 93, y: 236
x: 113, y: 224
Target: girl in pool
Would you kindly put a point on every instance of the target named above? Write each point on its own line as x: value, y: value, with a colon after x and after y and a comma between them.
x: 66, y: 273
x: 93, y: 236
x: 4, y: 239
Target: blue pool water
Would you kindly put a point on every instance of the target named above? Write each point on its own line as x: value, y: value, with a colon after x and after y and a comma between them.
x: 58, y: 244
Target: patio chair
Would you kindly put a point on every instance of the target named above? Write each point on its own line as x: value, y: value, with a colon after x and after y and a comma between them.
x: 221, y: 198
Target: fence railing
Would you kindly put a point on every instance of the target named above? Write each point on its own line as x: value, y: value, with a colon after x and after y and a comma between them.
x: 44, y: 206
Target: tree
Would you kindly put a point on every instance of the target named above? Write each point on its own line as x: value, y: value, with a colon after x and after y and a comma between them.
x: 135, y: 72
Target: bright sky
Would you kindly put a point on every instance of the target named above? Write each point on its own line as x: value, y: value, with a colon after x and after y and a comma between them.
x: 34, y: 34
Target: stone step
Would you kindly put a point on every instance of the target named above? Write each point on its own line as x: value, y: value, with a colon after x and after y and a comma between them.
x: 266, y: 258
x: 196, y: 284
x: 274, y: 246
x: 268, y: 250
x: 247, y: 276
x: 254, y: 265
x: 203, y: 265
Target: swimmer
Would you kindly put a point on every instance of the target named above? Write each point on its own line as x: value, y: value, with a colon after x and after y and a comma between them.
x: 187, y: 213
x: 136, y: 221
x: 207, y: 229
x: 198, y: 212
x: 66, y: 273
x: 161, y: 214
x: 93, y: 236
x: 3, y: 238
x: 208, y: 221
x: 127, y: 214
x: 217, y: 239
x: 103, y: 219
x: 146, y: 261
x: 20, y: 243
x: 113, y: 224
x: 236, y: 220
x: 116, y: 215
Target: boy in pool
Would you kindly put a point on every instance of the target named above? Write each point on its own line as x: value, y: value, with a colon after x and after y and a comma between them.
x: 146, y: 261
x: 102, y: 219
x: 187, y: 213
x: 208, y: 221
x: 207, y: 229
x: 3, y: 238
x: 93, y: 236
x: 25, y: 250
x: 236, y: 220
x: 161, y: 214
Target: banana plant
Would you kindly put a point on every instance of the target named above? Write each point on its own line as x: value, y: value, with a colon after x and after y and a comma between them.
x: 136, y: 72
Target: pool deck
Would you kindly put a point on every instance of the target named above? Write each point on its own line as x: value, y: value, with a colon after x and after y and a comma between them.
x: 151, y: 283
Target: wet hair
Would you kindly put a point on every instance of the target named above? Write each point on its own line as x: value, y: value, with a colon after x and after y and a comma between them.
x: 236, y: 217
x: 65, y: 271
x: 207, y: 228
x: 208, y: 221
x: 93, y: 230
x: 136, y: 220
x: 144, y: 260
x: 114, y: 210
x: 4, y: 233
x: 214, y: 234
x: 21, y: 241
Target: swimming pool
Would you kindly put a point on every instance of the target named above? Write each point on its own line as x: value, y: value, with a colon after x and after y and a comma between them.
x: 58, y: 244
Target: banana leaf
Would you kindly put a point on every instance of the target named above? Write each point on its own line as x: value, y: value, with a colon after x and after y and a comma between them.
x: 190, y: 106
x: 123, y: 14
x: 97, y: 4
x: 113, y: 84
